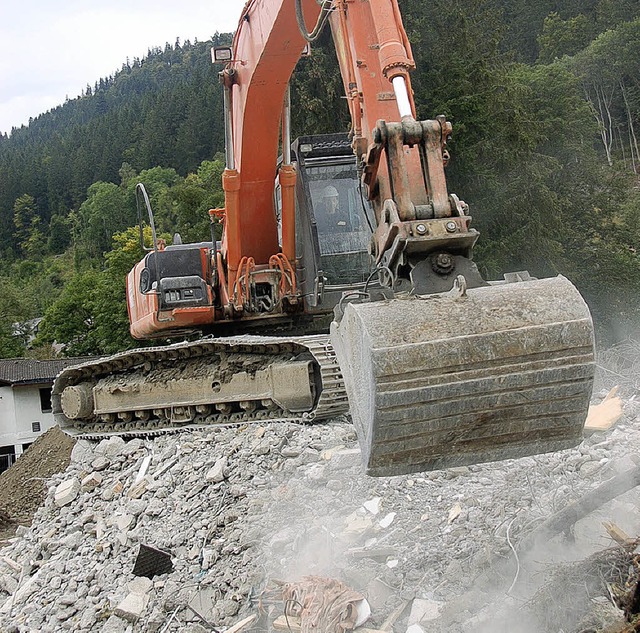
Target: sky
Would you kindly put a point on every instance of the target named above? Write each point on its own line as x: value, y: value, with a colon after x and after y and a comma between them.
x: 51, y: 50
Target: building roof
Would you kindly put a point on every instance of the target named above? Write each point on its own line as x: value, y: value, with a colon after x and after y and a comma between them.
x: 25, y: 371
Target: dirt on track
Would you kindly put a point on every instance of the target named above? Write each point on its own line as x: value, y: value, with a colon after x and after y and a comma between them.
x: 22, y: 487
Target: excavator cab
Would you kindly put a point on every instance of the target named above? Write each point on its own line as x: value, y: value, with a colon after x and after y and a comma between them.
x: 333, y: 221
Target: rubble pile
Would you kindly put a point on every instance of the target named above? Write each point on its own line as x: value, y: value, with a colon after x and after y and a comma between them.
x: 21, y: 489
x: 228, y: 516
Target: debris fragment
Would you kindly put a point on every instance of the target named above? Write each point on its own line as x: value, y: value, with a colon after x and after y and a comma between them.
x: 387, y: 520
x: 143, y: 468
x: 138, y: 489
x: 604, y: 415
x: 454, y: 513
x: 324, y: 604
x: 238, y: 626
x: 202, y: 604
x: 373, y: 505
x: 357, y: 523
x: 91, y: 481
x: 387, y: 625
x: 593, y: 499
x: 287, y: 623
x: 152, y: 562
x: 216, y: 473
x: 66, y: 492
x: 616, y: 533
x: 132, y: 607
x: 423, y: 610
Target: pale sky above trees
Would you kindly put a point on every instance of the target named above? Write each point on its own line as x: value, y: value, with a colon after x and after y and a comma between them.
x: 51, y: 50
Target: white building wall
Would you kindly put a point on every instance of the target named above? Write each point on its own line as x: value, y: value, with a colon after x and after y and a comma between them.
x: 17, y: 416
x: 28, y: 411
x: 7, y: 417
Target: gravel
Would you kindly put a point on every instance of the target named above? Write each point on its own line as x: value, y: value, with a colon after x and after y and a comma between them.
x: 242, y: 509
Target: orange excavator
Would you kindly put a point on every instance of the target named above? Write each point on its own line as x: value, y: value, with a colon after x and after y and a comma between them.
x: 356, y: 232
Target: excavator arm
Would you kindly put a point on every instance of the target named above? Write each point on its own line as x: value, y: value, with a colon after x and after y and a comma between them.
x: 401, y: 160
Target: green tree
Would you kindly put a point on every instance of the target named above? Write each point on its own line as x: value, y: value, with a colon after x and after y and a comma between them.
x: 27, y: 226
x: 16, y: 307
x: 70, y: 320
x: 59, y: 234
x: 90, y: 315
x: 159, y: 183
x: 563, y: 37
x: 105, y: 211
x: 194, y: 197
x: 608, y: 69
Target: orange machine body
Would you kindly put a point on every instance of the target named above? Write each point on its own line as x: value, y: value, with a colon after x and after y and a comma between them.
x: 257, y: 253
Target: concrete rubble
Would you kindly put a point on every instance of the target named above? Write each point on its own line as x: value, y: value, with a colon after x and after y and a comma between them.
x: 243, y: 509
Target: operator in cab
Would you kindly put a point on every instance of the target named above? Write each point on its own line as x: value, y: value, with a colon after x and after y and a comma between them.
x: 332, y: 218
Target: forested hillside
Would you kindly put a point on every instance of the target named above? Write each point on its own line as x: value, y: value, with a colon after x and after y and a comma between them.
x: 545, y: 102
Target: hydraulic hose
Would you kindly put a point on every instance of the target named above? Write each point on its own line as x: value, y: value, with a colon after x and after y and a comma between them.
x: 312, y: 36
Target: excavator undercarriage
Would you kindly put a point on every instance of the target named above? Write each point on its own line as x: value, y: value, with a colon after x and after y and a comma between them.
x: 230, y: 380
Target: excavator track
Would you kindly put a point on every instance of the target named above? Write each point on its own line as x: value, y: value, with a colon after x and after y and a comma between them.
x: 212, y: 381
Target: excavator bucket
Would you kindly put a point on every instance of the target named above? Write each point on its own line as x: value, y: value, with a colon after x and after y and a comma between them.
x: 495, y: 372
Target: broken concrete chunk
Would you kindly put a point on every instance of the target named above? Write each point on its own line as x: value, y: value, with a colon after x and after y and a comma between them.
x: 387, y: 520
x: 373, y: 505
x: 110, y: 447
x: 132, y: 607
x: 132, y: 446
x: 203, y: 602
x: 82, y: 452
x: 261, y: 448
x: 141, y: 585
x: 328, y: 453
x: 424, y: 611
x: 346, y: 458
x: 138, y: 489
x: 124, y: 521
x: 91, y: 481
x: 8, y: 583
x: 100, y: 463
x: 216, y: 472
x: 357, y: 523
x: 114, y: 625
x: 73, y: 540
x: 378, y: 592
x: 454, y: 513
x: 66, y: 492
x: 22, y: 593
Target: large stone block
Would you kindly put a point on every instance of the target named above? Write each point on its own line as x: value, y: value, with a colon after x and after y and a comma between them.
x: 66, y: 492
